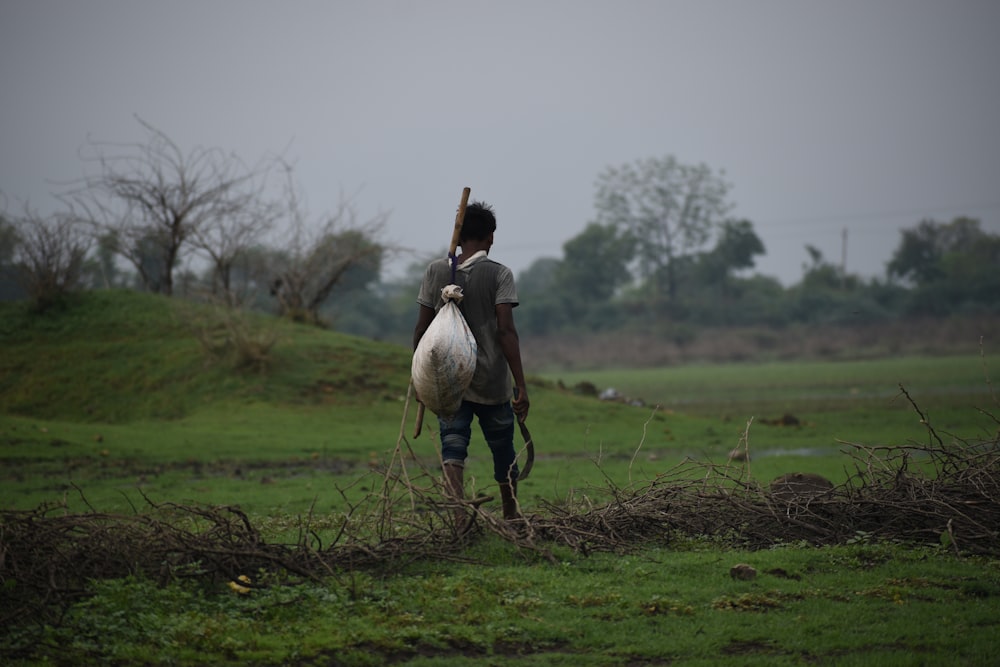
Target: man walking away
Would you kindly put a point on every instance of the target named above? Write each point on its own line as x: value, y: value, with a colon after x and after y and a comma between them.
x: 488, y: 307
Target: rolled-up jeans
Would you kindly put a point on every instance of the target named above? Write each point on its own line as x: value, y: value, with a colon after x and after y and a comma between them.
x: 497, y: 425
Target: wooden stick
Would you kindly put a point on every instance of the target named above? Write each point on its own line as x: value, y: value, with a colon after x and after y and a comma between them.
x: 456, y: 234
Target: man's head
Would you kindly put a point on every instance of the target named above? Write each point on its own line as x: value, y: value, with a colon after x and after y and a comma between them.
x: 479, y: 222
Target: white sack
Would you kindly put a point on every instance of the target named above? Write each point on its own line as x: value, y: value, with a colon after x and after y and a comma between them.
x: 445, y: 358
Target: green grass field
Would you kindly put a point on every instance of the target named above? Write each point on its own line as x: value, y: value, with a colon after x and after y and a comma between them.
x: 112, y: 401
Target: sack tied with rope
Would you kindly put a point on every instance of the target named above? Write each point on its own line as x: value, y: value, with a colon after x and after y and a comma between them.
x: 445, y: 359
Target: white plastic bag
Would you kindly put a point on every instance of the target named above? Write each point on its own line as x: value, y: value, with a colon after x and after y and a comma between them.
x: 445, y: 358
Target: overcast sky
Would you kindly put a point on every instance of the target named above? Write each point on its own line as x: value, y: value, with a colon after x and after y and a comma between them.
x: 864, y: 115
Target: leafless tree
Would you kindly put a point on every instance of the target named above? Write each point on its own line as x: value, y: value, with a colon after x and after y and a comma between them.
x: 230, y: 236
x: 312, y: 257
x: 160, y: 203
x: 48, y: 254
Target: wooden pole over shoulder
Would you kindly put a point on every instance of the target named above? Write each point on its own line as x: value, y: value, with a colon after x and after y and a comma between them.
x: 456, y: 234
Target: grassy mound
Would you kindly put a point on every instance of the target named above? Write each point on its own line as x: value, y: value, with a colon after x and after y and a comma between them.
x: 117, y: 356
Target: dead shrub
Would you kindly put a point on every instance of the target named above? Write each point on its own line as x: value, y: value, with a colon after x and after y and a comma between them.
x: 229, y: 334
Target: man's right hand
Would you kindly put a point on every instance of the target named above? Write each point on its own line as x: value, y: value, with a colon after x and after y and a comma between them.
x: 521, y: 403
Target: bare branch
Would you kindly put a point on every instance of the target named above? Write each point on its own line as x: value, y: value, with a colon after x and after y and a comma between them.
x: 49, y: 255
x: 313, y: 258
x: 159, y: 202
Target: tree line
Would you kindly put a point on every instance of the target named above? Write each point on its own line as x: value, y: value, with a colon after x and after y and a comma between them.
x: 664, y: 255
x: 662, y: 252
x: 144, y: 211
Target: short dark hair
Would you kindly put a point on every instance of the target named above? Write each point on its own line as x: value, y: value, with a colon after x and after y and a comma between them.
x: 479, y: 222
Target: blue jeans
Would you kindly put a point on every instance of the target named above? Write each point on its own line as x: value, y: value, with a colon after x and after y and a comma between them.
x: 497, y: 425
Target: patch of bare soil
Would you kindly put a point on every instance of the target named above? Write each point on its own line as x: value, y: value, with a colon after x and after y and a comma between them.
x: 956, y: 335
x: 96, y: 467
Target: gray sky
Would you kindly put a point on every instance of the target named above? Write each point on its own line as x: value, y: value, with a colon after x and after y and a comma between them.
x: 865, y: 115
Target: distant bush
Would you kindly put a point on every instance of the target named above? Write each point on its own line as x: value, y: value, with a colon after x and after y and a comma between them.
x: 233, y: 335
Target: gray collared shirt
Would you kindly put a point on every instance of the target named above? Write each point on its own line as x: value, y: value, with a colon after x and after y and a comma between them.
x: 485, y: 283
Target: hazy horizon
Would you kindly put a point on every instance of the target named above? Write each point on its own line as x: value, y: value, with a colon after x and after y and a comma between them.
x: 824, y: 117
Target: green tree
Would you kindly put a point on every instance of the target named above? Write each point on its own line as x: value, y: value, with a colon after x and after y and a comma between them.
x: 920, y: 257
x: 542, y: 308
x: 538, y: 278
x: 951, y: 266
x: 594, y: 267
x: 712, y: 290
x: 146, y: 254
x: 818, y: 273
x: 827, y: 295
x: 100, y: 269
x: 670, y: 209
x: 735, y: 248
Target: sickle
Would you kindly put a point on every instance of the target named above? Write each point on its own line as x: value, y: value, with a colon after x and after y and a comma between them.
x: 530, y: 446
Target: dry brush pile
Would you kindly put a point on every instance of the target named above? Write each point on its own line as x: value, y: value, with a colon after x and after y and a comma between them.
x: 942, y: 494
